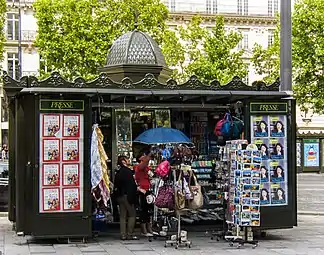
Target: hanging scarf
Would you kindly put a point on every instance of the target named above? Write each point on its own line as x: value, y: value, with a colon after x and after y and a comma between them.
x: 99, y: 169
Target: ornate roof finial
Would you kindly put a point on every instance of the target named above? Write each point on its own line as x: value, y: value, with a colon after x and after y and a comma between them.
x: 136, y: 15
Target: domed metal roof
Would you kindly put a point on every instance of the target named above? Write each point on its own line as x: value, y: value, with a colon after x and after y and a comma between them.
x: 135, y: 48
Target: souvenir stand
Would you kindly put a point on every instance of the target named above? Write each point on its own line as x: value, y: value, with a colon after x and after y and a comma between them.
x: 125, y: 99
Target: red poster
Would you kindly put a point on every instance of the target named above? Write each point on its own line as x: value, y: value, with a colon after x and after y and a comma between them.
x: 71, y: 199
x: 51, y: 150
x: 51, y: 174
x: 51, y: 125
x: 51, y: 199
x: 70, y: 174
x: 71, y: 125
x: 70, y: 149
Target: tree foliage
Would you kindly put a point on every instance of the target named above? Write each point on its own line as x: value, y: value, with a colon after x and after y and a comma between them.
x: 208, y: 53
x: 74, y: 36
x: 267, y: 61
x: 3, y: 9
x: 308, y: 53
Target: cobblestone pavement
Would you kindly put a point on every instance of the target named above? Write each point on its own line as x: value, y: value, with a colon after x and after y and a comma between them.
x: 307, y: 238
x: 310, y: 193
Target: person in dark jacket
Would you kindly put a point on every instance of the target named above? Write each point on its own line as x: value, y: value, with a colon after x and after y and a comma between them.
x: 125, y: 190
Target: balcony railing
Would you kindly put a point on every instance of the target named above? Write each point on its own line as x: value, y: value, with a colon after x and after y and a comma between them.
x: 21, y: 2
x: 29, y: 73
x: 28, y: 35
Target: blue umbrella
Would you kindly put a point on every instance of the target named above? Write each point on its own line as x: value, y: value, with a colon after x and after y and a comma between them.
x: 162, y: 136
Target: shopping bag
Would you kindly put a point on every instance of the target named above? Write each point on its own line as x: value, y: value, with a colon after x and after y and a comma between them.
x: 198, y: 200
x: 180, y: 196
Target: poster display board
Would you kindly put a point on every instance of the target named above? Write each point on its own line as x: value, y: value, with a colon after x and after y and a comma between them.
x: 311, y: 153
x: 61, y: 163
x: 269, y: 133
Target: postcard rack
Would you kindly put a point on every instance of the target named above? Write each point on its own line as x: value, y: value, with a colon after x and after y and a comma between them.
x: 244, y: 193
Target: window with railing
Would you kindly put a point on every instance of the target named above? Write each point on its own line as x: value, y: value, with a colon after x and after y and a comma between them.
x: 12, y: 26
x: 172, y: 6
x: 270, y: 37
x: 246, y: 7
x: 239, y: 7
x: 215, y: 6
x: 270, y: 8
x: 208, y: 6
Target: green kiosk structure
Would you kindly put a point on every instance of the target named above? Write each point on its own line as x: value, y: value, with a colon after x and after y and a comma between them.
x: 50, y: 129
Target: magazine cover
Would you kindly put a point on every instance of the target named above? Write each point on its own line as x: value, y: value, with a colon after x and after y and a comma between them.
x: 70, y: 174
x: 70, y: 150
x: 51, y: 150
x: 71, y: 125
x: 71, y: 199
x: 51, y: 125
x: 51, y: 199
x: 51, y: 174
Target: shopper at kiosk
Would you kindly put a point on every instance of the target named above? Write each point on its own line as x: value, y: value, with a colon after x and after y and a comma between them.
x: 125, y: 189
x: 142, y: 176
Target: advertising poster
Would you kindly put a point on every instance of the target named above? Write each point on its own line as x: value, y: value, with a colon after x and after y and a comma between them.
x: 277, y: 171
x: 51, y: 125
x: 278, y: 193
x: 51, y: 150
x: 265, y: 194
x: 71, y: 199
x: 51, y: 174
x: 70, y: 150
x: 311, y: 154
x: 71, y: 125
x: 260, y: 126
x: 264, y: 172
x: 277, y: 126
x: 70, y: 174
x: 51, y: 199
x: 277, y: 148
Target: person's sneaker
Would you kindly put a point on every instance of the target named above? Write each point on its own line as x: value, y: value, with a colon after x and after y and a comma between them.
x: 123, y: 238
x: 149, y: 235
x: 132, y: 238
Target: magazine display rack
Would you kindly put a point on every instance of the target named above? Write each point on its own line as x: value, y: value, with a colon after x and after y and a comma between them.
x: 244, y: 193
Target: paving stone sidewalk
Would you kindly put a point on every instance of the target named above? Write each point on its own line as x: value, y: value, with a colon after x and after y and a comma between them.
x: 305, y: 239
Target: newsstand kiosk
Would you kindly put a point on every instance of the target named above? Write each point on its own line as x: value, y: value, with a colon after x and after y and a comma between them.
x: 50, y: 126
x: 50, y: 131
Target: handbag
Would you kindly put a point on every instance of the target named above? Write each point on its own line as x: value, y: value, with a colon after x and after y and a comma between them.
x: 180, y: 197
x: 163, y: 169
x: 165, y: 197
x: 198, y: 200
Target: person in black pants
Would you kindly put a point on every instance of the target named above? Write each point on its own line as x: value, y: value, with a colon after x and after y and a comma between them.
x: 125, y: 189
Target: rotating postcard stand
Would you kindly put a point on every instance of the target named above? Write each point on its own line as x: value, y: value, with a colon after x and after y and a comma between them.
x: 244, y: 194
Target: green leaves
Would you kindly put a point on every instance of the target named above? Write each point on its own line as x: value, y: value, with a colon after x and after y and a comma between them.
x: 208, y: 54
x: 308, y: 55
x: 267, y: 61
x: 3, y: 9
x: 74, y: 36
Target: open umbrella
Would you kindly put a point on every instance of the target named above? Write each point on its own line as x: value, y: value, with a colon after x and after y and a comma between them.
x: 162, y: 136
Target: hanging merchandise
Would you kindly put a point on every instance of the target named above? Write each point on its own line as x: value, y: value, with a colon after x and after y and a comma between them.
x: 99, y: 169
x: 165, y: 197
x: 197, y: 200
x: 163, y: 169
x: 219, y: 125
